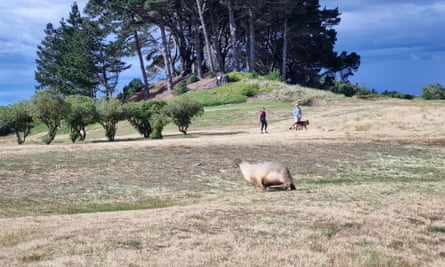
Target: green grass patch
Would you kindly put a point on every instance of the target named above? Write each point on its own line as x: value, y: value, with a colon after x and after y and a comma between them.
x: 230, y: 93
x: 437, y: 228
x: 416, y: 221
x: 208, y: 98
x: 238, y: 76
x: 129, y: 244
x: 152, y: 204
x: 238, y: 114
x: 373, y: 257
x: 38, y: 128
x: 327, y: 229
x: 335, y: 181
x: 31, y: 258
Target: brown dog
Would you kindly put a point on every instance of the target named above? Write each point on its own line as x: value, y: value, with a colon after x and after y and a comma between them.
x: 266, y: 175
x: 299, y: 125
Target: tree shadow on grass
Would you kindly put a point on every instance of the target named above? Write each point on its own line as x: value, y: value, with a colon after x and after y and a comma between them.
x: 172, y: 136
x: 117, y: 140
x: 201, y: 134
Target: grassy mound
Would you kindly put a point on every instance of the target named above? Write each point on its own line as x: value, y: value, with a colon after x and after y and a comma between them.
x: 242, y: 86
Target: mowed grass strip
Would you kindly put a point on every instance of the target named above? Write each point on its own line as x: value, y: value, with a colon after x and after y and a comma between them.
x: 74, y: 180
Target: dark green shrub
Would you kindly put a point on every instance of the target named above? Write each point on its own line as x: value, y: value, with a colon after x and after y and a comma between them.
x: 110, y: 112
x: 159, y: 122
x: 18, y: 118
x: 4, y: 127
x: 50, y: 108
x: 349, y: 89
x: 433, y: 91
x: 5, y: 130
x: 145, y: 116
x: 249, y: 89
x: 133, y: 87
x: 395, y: 94
x: 181, y: 111
x: 82, y: 112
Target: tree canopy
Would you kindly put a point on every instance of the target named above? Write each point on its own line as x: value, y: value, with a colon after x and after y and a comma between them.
x: 50, y: 108
x: 174, y: 38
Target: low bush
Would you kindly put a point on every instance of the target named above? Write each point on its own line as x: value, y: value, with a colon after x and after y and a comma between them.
x: 349, y: 89
x: 133, y: 87
x: 395, y: 94
x: 182, y: 111
x: 433, y: 91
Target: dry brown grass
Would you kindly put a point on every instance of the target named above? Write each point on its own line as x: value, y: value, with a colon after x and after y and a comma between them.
x: 370, y: 192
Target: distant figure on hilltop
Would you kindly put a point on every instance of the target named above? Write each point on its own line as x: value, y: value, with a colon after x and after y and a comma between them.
x: 262, y: 120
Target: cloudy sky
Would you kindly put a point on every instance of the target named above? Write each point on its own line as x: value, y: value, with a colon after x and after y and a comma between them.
x: 401, y: 43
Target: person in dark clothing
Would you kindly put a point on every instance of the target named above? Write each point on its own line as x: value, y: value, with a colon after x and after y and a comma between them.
x: 262, y: 120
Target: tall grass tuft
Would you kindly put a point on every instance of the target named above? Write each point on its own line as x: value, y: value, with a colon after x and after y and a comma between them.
x: 273, y: 75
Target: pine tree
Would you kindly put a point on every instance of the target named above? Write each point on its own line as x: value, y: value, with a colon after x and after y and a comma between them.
x: 48, y: 57
x: 65, y: 61
x: 77, y: 60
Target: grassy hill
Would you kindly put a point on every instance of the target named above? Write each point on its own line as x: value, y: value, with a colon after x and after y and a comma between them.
x: 369, y: 175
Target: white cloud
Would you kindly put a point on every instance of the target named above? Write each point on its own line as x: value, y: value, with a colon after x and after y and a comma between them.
x: 22, y: 23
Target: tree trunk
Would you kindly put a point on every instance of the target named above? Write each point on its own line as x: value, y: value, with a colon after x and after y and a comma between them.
x: 83, y: 133
x: 284, y: 63
x: 216, y: 40
x: 104, y: 80
x: 206, y: 35
x: 232, y: 27
x: 251, y: 61
x: 19, y: 139
x: 52, y: 130
x: 166, y: 58
x: 141, y: 62
x: 198, y: 47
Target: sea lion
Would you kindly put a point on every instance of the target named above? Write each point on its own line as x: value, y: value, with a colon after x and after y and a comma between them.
x: 266, y: 175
